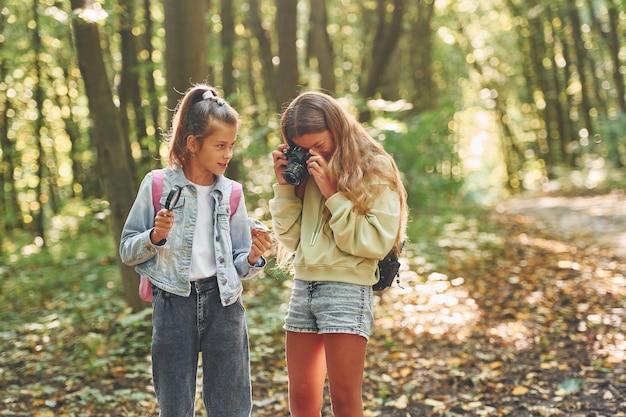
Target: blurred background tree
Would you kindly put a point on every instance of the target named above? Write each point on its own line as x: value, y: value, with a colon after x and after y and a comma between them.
x: 476, y: 99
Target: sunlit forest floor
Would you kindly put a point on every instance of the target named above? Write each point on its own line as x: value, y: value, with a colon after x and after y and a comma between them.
x: 515, y: 312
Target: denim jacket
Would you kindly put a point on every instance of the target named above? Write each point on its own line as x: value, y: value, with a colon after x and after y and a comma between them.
x: 168, y: 265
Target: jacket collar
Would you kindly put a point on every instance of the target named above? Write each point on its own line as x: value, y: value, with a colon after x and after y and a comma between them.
x: 176, y: 176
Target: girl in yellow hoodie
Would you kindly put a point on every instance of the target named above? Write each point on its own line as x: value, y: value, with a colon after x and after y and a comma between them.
x: 339, y: 207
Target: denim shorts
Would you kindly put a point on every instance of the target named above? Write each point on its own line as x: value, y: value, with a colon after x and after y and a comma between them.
x: 330, y: 307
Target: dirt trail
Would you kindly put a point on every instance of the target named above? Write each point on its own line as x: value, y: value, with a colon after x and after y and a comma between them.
x: 597, y: 220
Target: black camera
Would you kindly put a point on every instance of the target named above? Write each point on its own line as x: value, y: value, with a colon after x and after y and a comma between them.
x: 296, y: 169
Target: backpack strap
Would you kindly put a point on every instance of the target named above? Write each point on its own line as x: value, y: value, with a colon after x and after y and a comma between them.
x: 145, y: 286
x: 157, y: 188
x: 235, y: 196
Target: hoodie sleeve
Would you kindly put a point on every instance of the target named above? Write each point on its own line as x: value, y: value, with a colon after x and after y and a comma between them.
x: 370, y: 235
x: 286, y: 211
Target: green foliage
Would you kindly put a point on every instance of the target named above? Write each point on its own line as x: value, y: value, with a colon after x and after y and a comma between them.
x: 62, y: 303
x: 426, y: 155
x: 77, y: 257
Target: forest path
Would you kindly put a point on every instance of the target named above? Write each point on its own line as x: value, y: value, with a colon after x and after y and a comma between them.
x: 598, y: 221
x: 525, y: 320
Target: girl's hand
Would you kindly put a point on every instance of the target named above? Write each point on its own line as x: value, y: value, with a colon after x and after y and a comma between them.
x: 163, y: 222
x: 318, y: 169
x: 280, y: 162
x: 261, y: 242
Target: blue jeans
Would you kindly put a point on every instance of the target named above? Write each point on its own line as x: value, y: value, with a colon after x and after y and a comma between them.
x: 183, y: 327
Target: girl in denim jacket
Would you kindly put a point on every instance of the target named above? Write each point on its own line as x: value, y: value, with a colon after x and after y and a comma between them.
x: 195, y: 255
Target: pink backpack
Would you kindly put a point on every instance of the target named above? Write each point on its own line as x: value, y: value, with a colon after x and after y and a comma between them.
x: 145, y: 286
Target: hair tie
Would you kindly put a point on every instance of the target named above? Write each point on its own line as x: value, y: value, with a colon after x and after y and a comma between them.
x: 210, y: 95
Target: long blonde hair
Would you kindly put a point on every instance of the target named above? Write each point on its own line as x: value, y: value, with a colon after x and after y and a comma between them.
x: 353, y: 163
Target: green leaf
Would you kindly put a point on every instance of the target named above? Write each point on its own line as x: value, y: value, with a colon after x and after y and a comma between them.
x: 570, y: 386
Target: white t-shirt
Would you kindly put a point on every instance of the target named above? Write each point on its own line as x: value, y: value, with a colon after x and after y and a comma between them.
x: 203, y: 249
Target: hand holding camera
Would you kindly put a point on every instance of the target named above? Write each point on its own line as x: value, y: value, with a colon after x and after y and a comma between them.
x: 290, y: 164
x: 294, y: 165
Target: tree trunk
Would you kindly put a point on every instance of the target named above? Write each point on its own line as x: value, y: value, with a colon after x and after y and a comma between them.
x: 420, y: 50
x: 390, y: 86
x: 562, y: 127
x: 227, y: 40
x: 153, y: 96
x: 572, y: 131
x: 228, y: 47
x: 185, y: 47
x: 601, y: 95
x: 321, y: 45
x: 385, y: 41
x: 10, y: 214
x: 120, y: 186
x: 286, y: 25
x: 579, y: 63
x: 38, y: 217
x: 613, y: 39
x: 4, y: 177
x: 266, y: 56
x: 128, y: 91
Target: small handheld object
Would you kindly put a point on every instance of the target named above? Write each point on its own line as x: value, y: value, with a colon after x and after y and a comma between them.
x: 296, y: 170
x: 173, y: 197
x: 257, y: 225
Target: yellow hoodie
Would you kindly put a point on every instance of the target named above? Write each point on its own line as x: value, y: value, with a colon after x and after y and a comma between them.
x: 344, y: 247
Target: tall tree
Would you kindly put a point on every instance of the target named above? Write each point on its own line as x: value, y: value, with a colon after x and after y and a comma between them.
x: 320, y: 45
x: 185, y: 46
x: 386, y: 38
x: 385, y: 41
x: 115, y: 172
x: 148, y: 66
x: 288, y: 74
x: 10, y: 215
x: 421, y: 55
x: 559, y: 131
x: 38, y: 217
x: 130, y: 97
x: 613, y: 39
x: 227, y: 39
x: 265, y: 56
x: 544, y: 91
x: 580, y: 60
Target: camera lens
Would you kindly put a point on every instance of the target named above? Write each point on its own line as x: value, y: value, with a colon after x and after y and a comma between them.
x: 294, y: 174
